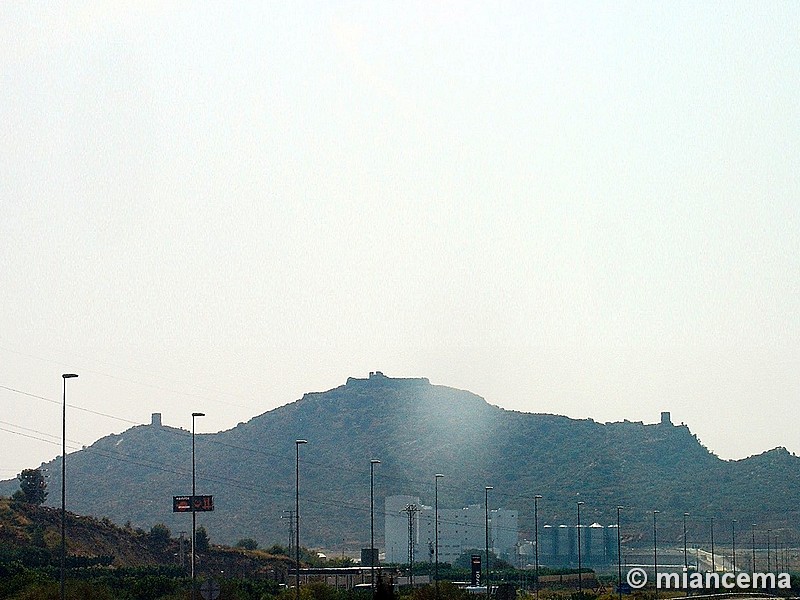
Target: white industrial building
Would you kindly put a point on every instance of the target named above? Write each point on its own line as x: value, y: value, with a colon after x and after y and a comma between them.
x: 460, y: 530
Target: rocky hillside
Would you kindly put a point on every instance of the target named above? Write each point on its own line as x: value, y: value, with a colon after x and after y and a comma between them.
x: 417, y: 429
x: 34, y: 534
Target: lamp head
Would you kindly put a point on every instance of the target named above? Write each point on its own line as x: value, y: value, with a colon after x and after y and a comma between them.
x: 198, y: 414
x: 298, y: 442
x: 68, y: 375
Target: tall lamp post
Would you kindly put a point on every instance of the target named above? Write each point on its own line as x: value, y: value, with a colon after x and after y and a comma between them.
x: 64, y: 377
x: 733, y: 543
x: 486, y: 490
x: 297, y: 516
x: 753, y: 530
x: 619, y: 558
x: 580, y: 577
x: 372, y: 552
x: 536, y: 499
x: 194, y: 514
x: 436, y: 531
x: 713, y: 560
x: 655, y: 551
x: 776, y: 550
x: 769, y: 564
x: 685, y: 555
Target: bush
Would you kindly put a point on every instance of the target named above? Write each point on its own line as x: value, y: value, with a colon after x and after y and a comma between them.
x: 315, y: 591
x: 279, y: 550
x: 74, y: 590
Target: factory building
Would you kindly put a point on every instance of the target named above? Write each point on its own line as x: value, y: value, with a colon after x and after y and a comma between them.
x: 460, y: 530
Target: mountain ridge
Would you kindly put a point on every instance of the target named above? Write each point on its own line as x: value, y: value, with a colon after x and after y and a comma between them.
x: 417, y: 429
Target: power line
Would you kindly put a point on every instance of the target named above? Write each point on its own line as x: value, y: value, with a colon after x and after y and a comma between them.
x: 74, y: 406
x: 135, y: 382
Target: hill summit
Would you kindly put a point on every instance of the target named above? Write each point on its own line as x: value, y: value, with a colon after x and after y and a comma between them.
x: 417, y: 429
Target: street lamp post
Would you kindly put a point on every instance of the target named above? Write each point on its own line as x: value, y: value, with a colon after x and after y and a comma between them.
x: 194, y: 514
x: 580, y: 577
x: 619, y: 558
x: 777, y: 556
x: 713, y: 560
x: 64, y: 378
x: 436, y: 478
x: 372, y: 552
x: 297, y: 516
x: 536, y: 499
x: 769, y: 563
x: 733, y: 543
x: 685, y: 555
x: 486, y: 505
x: 753, y: 531
x: 655, y: 551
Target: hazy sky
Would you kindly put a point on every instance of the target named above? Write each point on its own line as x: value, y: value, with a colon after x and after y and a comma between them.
x: 590, y: 209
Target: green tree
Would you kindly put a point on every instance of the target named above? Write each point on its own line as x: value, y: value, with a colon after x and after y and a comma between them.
x: 247, y: 544
x: 201, y: 539
x: 160, y: 533
x: 33, y: 486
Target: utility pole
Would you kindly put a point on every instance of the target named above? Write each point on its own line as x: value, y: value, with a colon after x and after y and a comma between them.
x: 291, y: 530
x: 411, y: 510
